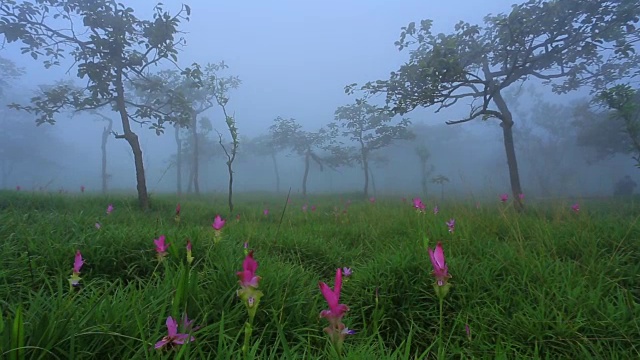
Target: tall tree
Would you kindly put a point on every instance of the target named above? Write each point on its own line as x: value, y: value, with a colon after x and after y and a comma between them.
x: 564, y: 43
x: 304, y: 143
x: 108, y: 44
x: 265, y: 145
x: 371, y: 128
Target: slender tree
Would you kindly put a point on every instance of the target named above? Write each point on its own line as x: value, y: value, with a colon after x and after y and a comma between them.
x: 371, y: 128
x: 108, y: 45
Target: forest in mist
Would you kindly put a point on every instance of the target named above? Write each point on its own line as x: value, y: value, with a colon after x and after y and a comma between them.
x: 159, y: 99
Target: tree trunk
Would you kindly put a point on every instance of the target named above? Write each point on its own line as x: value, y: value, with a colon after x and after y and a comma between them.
x: 178, y: 161
x: 196, y: 150
x: 423, y: 163
x: 373, y: 182
x: 365, y: 168
x: 306, y: 173
x: 275, y: 168
x: 103, y: 147
x: 230, y: 199
x: 132, y: 139
x: 512, y: 163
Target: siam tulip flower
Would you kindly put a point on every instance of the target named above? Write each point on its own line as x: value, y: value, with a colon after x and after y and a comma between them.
x: 304, y: 207
x: 98, y: 226
x: 313, y: 208
x: 436, y: 210
x: 82, y: 189
x: 265, y: 212
x: 161, y: 247
x: 18, y: 188
x: 245, y: 248
x: 372, y: 199
x: 417, y: 203
x: 336, y: 330
x: 452, y: 225
x: 521, y: 196
x: 249, y: 282
x: 218, y: 224
x: 575, y: 207
x: 75, y: 278
x: 504, y: 197
x: 440, y: 268
x: 178, y: 208
x: 109, y: 209
x: 173, y: 338
x: 238, y: 218
x: 189, y: 256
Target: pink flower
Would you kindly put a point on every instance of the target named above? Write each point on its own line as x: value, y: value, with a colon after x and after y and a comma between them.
x: 521, y: 196
x: 238, y: 217
x: 173, y: 337
x: 435, y: 210
x: 440, y: 269
x: 82, y: 189
x: 77, y: 262
x: 189, y: 255
x: 417, y: 203
x: 161, y: 246
x: 98, y: 226
x: 18, y: 188
x: 304, y: 207
x: 336, y: 310
x: 575, y: 207
x: 452, y: 225
x: 178, y: 208
x: 372, y: 199
x: 218, y: 223
x: 313, y: 208
x: 248, y: 276
x: 109, y: 209
x: 265, y: 212
x: 504, y: 197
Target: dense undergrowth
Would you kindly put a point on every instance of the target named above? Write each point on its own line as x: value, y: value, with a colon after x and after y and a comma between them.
x: 551, y: 283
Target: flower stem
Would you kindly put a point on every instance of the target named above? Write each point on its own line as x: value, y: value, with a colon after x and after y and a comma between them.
x: 440, y: 343
x: 248, y: 329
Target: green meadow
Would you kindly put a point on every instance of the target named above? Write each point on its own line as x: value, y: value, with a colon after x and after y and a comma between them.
x: 550, y: 283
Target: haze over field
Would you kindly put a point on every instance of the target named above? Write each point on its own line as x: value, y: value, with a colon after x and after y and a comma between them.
x: 294, y: 59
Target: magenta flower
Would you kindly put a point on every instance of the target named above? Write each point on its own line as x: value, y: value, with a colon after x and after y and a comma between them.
x: 451, y: 224
x: 98, y: 226
x: 189, y: 255
x: 372, y: 199
x: 75, y: 278
x: 178, y: 208
x: 109, y: 209
x: 575, y: 207
x: 313, y: 208
x: 504, y: 197
x: 77, y: 262
x: 521, y: 196
x: 173, y: 338
x: 218, y: 223
x: 440, y: 269
x: 435, y: 210
x: 304, y: 207
x: 336, y: 310
x: 18, y: 188
x: 161, y: 246
x: 248, y: 276
x: 417, y: 203
x: 82, y: 189
x: 265, y: 212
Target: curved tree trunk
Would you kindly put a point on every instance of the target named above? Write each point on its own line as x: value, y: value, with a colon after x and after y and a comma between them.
x: 306, y: 173
x: 512, y: 163
x: 132, y: 139
x: 365, y: 167
x: 103, y: 147
x: 178, y: 161
x: 275, y: 168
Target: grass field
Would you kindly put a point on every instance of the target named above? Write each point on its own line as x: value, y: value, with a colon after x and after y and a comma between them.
x: 551, y: 283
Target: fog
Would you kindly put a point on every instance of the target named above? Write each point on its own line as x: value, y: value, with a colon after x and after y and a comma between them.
x: 294, y: 59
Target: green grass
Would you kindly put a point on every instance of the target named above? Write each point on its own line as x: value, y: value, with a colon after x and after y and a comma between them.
x: 548, y: 284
